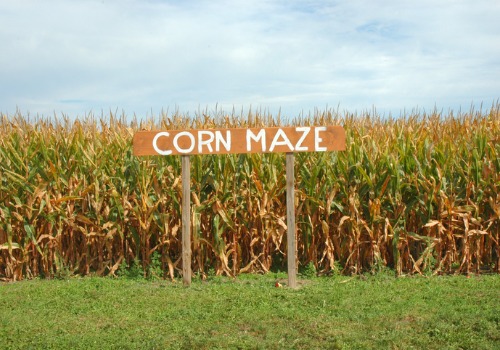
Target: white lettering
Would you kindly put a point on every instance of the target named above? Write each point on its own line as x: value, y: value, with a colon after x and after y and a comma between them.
x: 219, y: 139
x: 155, y: 143
x: 260, y: 136
x: 207, y: 142
x: 318, y: 139
x: 210, y: 141
x: 305, y: 130
x: 285, y: 142
x: 176, y: 142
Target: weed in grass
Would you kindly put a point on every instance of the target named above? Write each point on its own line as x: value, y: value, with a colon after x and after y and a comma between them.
x: 154, y: 270
x: 308, y: 271
x: 132, y: 271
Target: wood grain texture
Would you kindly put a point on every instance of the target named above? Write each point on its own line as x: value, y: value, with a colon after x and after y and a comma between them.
x: 186, y: 220
x: 228, y: 141
x: 290, y: 221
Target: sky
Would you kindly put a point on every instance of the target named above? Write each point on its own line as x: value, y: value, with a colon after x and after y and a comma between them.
x: 291, y: 57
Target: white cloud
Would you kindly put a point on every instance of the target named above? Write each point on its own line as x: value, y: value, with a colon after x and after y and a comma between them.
x: 139, y: 56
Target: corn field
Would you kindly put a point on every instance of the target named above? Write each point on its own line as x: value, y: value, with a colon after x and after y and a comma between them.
x: 417, y: 194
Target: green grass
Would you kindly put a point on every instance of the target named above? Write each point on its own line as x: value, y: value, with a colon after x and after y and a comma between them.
x: 367, y: 312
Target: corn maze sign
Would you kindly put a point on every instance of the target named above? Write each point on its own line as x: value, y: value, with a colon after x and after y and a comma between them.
x: 228, y: 141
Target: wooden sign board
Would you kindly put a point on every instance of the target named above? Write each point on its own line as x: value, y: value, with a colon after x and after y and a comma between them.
x: 252, y: 140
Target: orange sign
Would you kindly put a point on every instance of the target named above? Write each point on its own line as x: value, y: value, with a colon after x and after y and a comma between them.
x: 253, y: 140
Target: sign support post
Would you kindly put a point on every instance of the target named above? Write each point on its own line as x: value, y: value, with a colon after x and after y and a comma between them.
x: 186, y: 220
x: 290, y: 221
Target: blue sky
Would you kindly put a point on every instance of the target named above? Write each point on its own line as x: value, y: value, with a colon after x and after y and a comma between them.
x: 142, y: 57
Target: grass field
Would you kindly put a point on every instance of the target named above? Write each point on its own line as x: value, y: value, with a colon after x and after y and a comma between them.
x: 338, y: 312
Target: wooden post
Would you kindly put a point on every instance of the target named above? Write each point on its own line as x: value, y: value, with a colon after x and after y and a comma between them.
x: 290, y: 221
x: 186, y: 220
